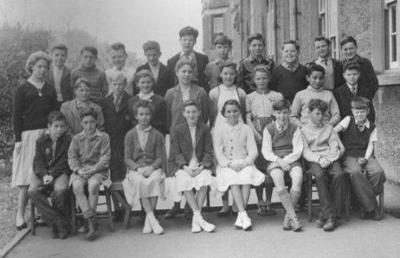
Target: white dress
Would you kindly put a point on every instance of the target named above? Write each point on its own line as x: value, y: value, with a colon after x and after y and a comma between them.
x: 236, y: 144
x: 225, y: 94
x: 184, y: 181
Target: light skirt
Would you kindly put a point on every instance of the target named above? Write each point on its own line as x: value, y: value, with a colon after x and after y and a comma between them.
x: 185, y: 182
x: 22, y: 167
x: 137, y: 186
x: 249, y: 175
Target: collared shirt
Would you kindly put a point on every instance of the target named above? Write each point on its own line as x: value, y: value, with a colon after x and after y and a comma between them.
x: 155, y: 70
x: 90, y: 151
x: 146, y: 96
x: 191, y: 57
x: 329, y: 80
x: 367, y: 124
x: 143, y: 135
x: 37, y: 85
x: 57, y: 74
x: 212, y: 71
x: 353, y: 88
x: 292, y: 66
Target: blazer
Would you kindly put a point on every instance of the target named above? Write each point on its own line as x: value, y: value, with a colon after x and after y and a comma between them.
x: 116, y: 123
x: 163, y: 82
x: 51, y: 162
x: 201, y: 60
x: 181, y: 149
x: 65, y: 84
x: 337, y: 72
x: 344, y: 96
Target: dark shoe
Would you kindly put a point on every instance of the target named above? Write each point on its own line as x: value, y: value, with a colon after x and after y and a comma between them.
x: 261, y: 211
x: 376, y: 215
x: 142, y: 217
x: 269, y: 211
x: 286, y: 225
x: 54, y: 230
x: 222, y: 213
x: 172, y: 212
x: 22, y: 226
x: 61, y: 229
x: 118, y: 215
x: 91, y: 234
x: 320, y: 222
x: 330, y: 224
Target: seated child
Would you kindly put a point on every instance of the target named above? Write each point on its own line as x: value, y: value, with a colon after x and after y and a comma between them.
x: 89, y: 157
x: 144, y: 157
x: 367, y: 176
x: 259, y: 114
x: 235, y: 151
x: 300, y: 112
x: 191, y: 158
x: 352, y: 88
x: 116, y: 124
x: 282, y: 148
x: 256, y: 45
x: 51, y: 169
x: 92, y: 74
x: 223, y: 46
x: 73, y: 109
x: 145, y: 82
x: 322, y: 149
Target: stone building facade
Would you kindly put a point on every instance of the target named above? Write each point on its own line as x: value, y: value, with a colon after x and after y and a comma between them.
x: 374, y: 23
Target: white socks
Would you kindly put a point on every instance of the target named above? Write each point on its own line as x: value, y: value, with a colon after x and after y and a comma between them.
x: 198, y: 223
x: 151, y: 224
x: 243, y: 221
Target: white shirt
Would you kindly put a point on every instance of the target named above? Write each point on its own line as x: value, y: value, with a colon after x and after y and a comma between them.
x: 57, y: 74
x: 346, y: 122
x: 146, y: 96
x: 155, y: 70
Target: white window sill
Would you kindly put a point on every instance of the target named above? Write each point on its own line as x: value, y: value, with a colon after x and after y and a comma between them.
x: 389, y: 77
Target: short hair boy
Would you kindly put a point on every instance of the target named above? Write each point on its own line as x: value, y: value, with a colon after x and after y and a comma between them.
x: 315, y: 90
x: 89, y: 166
x: 322, y: 149
x: 52, y: 172
x: 359, y: 137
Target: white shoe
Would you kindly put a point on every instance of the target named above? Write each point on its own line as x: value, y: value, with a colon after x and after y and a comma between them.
x: 195, y: 226
x: 238, y: 222
x: 147, y: 227
x: 155, y: 225
x: 246, y: 222
x: 207, y: 227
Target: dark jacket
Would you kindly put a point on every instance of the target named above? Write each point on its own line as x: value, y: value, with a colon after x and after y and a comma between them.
x: 182, y: 149
x: 201, y: 60
x: 343, y: 96
x: 65, y: 84
x: 337, y: 71
x: 116, y: 123
x: 163, y: 80
x: 45, y: 163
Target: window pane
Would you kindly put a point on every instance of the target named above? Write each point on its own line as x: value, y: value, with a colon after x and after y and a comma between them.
x: 394, y: 48
x: 218, y: 25
x: 393, y: 20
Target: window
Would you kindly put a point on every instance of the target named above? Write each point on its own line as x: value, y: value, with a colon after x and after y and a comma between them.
x: 322, y: 17
x: 217, y: 26
x: 392, y: 35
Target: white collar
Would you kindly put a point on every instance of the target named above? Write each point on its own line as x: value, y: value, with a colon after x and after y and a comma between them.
x: 367, y: 123
x: 146, y: 96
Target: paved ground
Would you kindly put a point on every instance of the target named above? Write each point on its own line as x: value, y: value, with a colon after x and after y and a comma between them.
x: 352, y: 239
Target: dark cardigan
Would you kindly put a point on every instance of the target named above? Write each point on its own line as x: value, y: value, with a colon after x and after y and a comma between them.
x: 181, y: 150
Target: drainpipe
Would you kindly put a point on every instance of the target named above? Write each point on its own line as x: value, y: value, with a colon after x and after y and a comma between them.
x: 275, y: 26
x: 296, y: 20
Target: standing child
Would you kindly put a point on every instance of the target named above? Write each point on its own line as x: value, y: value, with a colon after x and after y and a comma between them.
x: 289, y: 77
x: 191, y: 159
x: 144, y: 156
x: 322, y: 149
x: 235, y: 151
x: 33, y: 101
x: 259, y: 115
x: 351, y: 89
x: 89, y: 157
x: 159, y: 71
x: 223, y: 46
x: 118, y: 58
x: 359, y: 137
x: 282, y: 148
x: 73, y: 109
x: 116, y: 124
x: 59, y: 75
x: 300, y: 111
x: 218, y: 96
x: 256, y: 45
x: 52, y: 174
x: 94, y: 76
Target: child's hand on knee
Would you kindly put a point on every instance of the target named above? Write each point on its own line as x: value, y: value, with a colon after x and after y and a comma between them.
x: 147, y: 171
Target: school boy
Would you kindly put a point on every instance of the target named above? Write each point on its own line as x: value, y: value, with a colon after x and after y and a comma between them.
x: 359, y: 136
x: 256, y: 45
x: 322, y: 149
x: 89, y: 157
x: 350, y: 89
x: 59, y: 75
x: 333, y: 68
x: 118, y: 56
x: 51, y: 173
x: 152, y: 52
x: 223, y: 46
x: 187, y: 38
x: 289, y: 77
x: 91, y: 73
x: 315, y: 90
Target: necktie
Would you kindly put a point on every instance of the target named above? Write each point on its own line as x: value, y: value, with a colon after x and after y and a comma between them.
x: 354, y: 90
x: 325, y: 62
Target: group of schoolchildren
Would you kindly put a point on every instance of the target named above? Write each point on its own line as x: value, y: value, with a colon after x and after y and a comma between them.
x: 230, y: 128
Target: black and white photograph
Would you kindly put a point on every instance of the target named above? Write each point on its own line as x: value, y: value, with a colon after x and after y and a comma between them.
x: 199, y: 128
